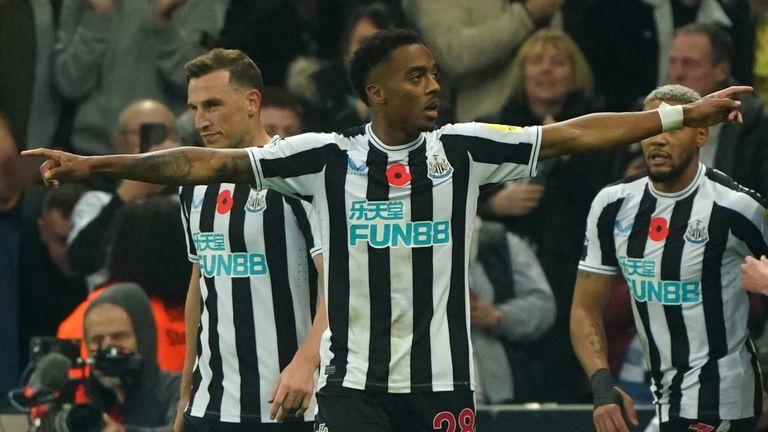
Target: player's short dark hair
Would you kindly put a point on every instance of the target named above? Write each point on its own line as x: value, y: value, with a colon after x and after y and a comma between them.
x: 719, y: 39
x: 373, y: 51
x: 242, y: 70
x: 276, y: 97
x: 63, y: 198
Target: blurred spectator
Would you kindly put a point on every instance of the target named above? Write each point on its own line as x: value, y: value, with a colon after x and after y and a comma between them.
x: 629, y: 56
x: 760, y: 12
x: 474, y: 41
x: 274, y: 32
x: 553, y: 83
x: 147, y: 248
x: 280, y: 113
x: 49, y: 289
x: 700, y: 58
x: 95, y: 210
x: 510, y: 304
x: 10, y: 226
x: 573, y: 12
x: 330, y: 103
x: 28, y: 99
x: 136, y: 397
x: 112, y: 52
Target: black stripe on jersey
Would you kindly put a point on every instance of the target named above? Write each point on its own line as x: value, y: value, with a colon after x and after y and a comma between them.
x: 298, y: 164
x: 306, y: 231
x: 712, y: 301
x: 754, y: 362
x: 379, y: 287
x: 456, y: 309
x: 197, y: 377
x: 277, y: 262
x: 215, y: 388
x: 338, y: 266
x: 671, y: 260
x: 640, y: 226
x: 636, y: 242
x: 489, y: 151
x: 187, y: 196
x: 606, y: 223
x: 721, y: 178
x: 423, y: 271
x: 302, y: 221
x: 746, y: 231
x: 354, y: 131
x: 242, y: 306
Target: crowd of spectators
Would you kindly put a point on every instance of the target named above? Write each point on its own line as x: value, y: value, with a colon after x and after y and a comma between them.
x: 106, y: 76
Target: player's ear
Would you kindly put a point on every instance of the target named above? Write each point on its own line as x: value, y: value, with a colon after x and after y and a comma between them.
x: 702, y: 136
x: 253, y: 100
x: 375, y: 94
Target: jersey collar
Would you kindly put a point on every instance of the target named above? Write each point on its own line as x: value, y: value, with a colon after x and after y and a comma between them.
x: 683, y: 193
x: 390, y: 149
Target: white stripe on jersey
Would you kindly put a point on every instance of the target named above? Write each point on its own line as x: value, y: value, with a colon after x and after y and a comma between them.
x: 335, y: 171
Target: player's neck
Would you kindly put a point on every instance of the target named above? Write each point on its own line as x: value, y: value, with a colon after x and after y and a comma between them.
x: 392, y: 136
x: 260, y: 138
x: 679, y: 183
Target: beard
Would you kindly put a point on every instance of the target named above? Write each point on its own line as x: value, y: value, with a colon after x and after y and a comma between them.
x: 673, y: 173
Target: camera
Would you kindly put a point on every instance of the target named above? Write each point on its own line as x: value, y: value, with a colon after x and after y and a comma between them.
x: 71, y: 418
x: 113, y: 361
x: 48, y: 395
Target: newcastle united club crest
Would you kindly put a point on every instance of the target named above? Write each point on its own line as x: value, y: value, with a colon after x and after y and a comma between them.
x: 257, y: 201
x: 438, y: 167
x: 697, y: 232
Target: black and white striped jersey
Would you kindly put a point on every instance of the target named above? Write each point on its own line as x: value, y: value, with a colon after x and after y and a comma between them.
x: 396, y: 229
x: 680, y: 254
x: 258, y: 290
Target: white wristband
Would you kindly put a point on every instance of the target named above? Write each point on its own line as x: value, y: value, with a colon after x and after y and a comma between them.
x: 671, y: 116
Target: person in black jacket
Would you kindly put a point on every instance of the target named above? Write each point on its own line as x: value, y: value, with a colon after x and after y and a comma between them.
x: 701, y: 57
x: 138, y: 397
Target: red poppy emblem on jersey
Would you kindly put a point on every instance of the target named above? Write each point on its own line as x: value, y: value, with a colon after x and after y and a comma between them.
x: 224, y: 202
x: 398, y: 175
x: 659, y: 229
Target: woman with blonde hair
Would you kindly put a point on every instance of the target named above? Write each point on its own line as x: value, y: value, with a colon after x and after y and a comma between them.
x: 553, y: 83
x: 553, y: 80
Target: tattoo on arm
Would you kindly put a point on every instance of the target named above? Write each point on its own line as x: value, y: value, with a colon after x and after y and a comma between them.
x: 595, y: 339
x: 162, y: 168
x: 235, y: 170
x: 189, y: 166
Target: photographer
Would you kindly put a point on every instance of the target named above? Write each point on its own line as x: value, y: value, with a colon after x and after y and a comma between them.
x: 125, y: 381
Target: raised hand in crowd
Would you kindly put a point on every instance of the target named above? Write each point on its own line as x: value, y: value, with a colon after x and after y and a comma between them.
x: 517, y: 199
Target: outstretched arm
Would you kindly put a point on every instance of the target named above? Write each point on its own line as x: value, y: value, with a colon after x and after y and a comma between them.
x: 605, y: 131
x: 178, y: 166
